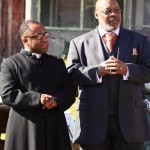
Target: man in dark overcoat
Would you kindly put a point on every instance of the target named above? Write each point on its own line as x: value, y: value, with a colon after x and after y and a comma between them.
x: 37, y: 88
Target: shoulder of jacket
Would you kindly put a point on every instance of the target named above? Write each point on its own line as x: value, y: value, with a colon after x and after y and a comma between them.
x: 133, y: 32
x: 54, y: 58
x: 11, y: 58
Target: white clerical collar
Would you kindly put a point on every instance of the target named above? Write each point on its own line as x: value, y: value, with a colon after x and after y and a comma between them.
x: 37, y: 55
x: 102, y: 32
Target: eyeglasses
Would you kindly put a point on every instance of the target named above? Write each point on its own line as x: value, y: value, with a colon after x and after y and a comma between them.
x: 109, y: 11
x: 39, y: 36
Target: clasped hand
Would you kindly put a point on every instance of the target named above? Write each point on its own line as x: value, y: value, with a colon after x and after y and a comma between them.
x: 112, y: 66
x: 47, y: 101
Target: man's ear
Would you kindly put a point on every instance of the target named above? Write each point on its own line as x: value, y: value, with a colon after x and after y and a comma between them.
x: 24, y: 41
x: 96, y: 14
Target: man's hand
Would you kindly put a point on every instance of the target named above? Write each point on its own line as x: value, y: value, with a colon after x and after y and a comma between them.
x: 112, y: 66
x: 47, y: 101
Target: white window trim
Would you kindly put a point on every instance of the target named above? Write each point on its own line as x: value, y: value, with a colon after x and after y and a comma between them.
x: 139, y: 16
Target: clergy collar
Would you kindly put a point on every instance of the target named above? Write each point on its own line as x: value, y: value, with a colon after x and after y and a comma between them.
x: 102, y: 32
x: 37, y: 55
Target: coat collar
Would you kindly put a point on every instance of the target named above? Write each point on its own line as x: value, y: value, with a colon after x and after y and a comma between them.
x: 29, y: 54
x: 95, y: 45
x: 24, y: 52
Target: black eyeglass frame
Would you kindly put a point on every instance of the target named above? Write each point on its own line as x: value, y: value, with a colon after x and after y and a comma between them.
x: 109, y: 11
x: 39, y: 36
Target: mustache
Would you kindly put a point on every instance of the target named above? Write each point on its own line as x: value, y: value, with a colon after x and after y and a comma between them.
x: 113, y: 18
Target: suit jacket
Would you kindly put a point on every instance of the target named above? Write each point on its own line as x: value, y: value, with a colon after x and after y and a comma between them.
x: 23, y: 80
x: 85, y: 54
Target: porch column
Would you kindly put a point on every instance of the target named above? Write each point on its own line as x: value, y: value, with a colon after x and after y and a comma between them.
x: 32, y: 9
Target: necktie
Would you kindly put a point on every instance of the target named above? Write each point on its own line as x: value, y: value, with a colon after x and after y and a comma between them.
x: 109, y: 39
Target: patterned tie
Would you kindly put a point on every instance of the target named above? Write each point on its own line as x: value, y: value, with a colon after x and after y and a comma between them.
x: 109, y: 39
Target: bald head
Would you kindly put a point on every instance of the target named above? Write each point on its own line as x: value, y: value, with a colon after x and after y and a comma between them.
x: 103, y: 1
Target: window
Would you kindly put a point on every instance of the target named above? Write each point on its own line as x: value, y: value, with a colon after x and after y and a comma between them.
x: 146, y: 13
x: 89, y: 20
x: 142, y: 14
x: 77, y: 14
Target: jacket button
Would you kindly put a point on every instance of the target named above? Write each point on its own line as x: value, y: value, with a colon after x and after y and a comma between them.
x: 105, y: 105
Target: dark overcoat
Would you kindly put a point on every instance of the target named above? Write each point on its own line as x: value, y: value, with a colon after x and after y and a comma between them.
x: 85, y: 55
x: 30, y: 127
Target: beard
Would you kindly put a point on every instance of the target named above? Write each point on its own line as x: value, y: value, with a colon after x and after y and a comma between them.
x: 109, y: 25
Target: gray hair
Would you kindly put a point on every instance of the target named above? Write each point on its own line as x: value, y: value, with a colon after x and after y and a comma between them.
x: 24, y: 27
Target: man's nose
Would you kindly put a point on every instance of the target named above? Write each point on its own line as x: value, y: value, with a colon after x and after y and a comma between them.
x: 45, y: 38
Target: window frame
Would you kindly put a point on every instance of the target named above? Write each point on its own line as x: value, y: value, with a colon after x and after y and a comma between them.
x: 81, y: 22
x: 139, y: 22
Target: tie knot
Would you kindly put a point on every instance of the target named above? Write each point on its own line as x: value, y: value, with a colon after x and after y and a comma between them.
x: 110, y: 36
x: 109, y: 39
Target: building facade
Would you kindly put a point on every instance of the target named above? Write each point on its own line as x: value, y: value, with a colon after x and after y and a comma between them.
x: 67, y: 19
x: 64, y: 19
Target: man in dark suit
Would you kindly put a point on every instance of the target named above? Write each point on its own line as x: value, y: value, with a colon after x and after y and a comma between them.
x: 111, y: 113
x: 37, y: 88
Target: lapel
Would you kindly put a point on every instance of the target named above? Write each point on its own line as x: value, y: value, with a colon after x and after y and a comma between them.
x: 124, y: 42
x: 29, y: 54
x: 95, y: 45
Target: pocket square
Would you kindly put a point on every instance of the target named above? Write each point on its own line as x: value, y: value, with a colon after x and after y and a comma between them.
x: 134, y: 52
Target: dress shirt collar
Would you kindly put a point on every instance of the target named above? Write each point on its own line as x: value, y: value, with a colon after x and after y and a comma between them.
x: 102, y: 32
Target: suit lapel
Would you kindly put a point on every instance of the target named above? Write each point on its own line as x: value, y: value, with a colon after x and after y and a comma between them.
x: 95, y: 45
x: 124, y: 42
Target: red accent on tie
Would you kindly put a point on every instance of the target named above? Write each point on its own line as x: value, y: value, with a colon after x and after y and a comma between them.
x: 109, y: 39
